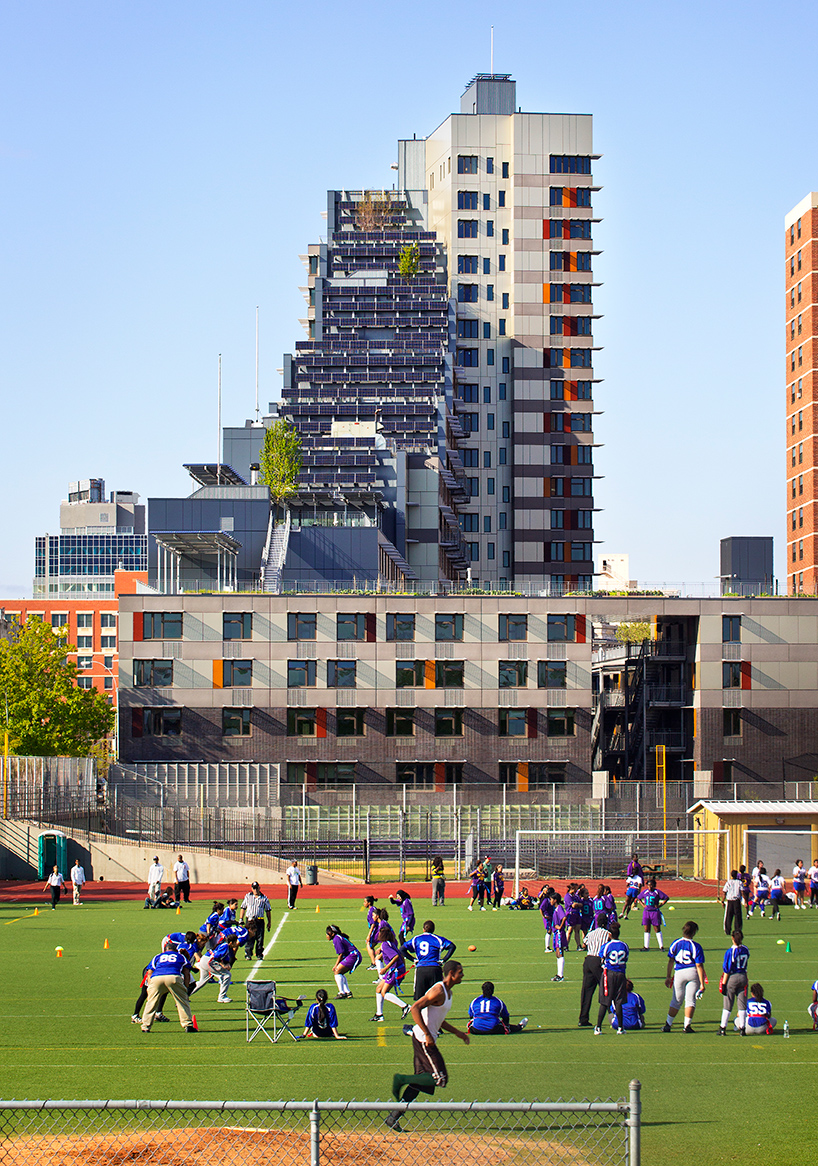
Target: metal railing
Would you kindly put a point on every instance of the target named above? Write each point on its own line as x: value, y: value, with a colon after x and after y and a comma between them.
x: 548, y: 1133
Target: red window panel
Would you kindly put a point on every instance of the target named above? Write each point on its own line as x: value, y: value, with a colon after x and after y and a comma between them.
x: 746, y: 674
x: 371, y: 627
x: 570, y: 390
x: 136, y: 715
x: 320, y: 722
x: 440, y: 775
x: 138, y: 626
x: 311, y: 775
x: 581, y: 629
x: 531, y: 723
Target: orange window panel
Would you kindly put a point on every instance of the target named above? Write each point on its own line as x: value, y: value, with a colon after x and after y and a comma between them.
x: 429, y: 674
x: 218, y: 673
x: 440, y: 776
x: 522, y: 776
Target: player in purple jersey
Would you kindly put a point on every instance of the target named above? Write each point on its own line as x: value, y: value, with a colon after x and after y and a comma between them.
x: 393, y: 970
x: 652, y: 899
x: 348, y: 958
x: 403, y: 900
x: 547, y: 910
x: 812, y: 1011
x: 759, y: 1013
x: 746, y: 880
x: 498, y: 885
x: 613, y: 990
x: 685, y: 975
x: 733, y: 983
x: 373, y: 923
x: 559, y: 936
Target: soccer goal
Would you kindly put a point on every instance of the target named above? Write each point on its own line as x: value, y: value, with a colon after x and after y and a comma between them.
x: 600, y: 854
x: 778, y: 847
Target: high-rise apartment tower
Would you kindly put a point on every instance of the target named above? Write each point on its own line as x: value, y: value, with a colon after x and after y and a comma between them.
x: 801, y: 251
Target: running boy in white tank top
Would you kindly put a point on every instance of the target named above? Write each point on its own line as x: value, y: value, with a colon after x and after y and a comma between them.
x: 429, y: 1014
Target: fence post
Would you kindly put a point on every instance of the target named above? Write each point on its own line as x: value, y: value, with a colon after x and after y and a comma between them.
x: 634, y: 1124
x: 315, y: 1135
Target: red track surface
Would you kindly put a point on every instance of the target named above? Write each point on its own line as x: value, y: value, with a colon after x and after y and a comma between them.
x: 21, y: 892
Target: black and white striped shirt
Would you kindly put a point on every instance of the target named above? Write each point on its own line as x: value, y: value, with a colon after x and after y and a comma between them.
x: 595, y: 940
x: 255, y: 906
x: 732, y: 890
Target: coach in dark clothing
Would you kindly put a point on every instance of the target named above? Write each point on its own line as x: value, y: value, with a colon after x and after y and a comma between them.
x: 591, y: 972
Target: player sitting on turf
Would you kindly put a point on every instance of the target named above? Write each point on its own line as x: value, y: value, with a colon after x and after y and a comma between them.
x: 524, y: 902
x: 488, y: 1014
x: 759, y: 1013
x: 166, y: 899
x: 633, y: 1010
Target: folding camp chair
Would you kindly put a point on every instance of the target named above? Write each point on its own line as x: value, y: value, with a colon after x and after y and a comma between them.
x: 261, y: 1009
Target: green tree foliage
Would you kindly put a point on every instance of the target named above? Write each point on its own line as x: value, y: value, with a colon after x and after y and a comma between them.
x: 48, y: 716
x: 634, y: 632
x: 409, y: 261
x: 280, y: 461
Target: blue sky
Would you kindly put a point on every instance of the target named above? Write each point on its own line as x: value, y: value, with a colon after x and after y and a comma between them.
x: 162, y: 165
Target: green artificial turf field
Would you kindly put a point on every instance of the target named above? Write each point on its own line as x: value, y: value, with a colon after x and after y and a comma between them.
x: 67, y: 1031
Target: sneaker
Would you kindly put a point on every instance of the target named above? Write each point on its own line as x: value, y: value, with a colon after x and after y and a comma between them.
x: 620, y: 1031
x: 407, y: 1029
x: 597, y: 1030
x: 190, y: 1030
x: 136, y: 1019
x: 470, y: 908
x: 225, y: 1000
x: 584, y: 1024
x: 722, y: 1031
x: 494, y: 908
x: 666, y: 1027
x: 300, y: 999
x: 145, y: 1030
x: 689, y: 1028
x: 379, y: 1019
x: 392, y: 1120
x: 371, y: 968
x: 557, y: 979
x: 523, y: 1022
x: 407, y: 1008
x: 161, y: 1018
x: 482, y: 908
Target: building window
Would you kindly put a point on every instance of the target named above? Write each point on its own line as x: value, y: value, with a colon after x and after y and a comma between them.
x: 400, y: 626
x: 490, y: 228
x: 107, y: 619
x: 468, y: 393
x: 504, y: 238
x: 505, y: 301
x: 349, y: 722
x: 501, y: 327
x: 301, y: 673
x: 502, y: 519
x: 85, y: 641
x: 501, y: 388
x: 490, y: 486
x: 449, y: 673
x: 552, y: 674
x: 59, y: 621
x: 506, y: 558
x: 415, y: 773
x: 731, y: 726
x: 490, y: 551
x: 400, y: 722
x: 504, y: 169
x: 467, y: 293
x: 467, y: 228
x: 512, y: 674
x: 108, y: 682
x: 467, y: 200
x: 570, y: 164
x: 562, y: 629
x: 237, y: 673
x: 448, y: 627
x: 501, y: 262
x: 581, y: 552
x: 473, y: 485
x: 302, y: 722
x: 236, y: 722
x: 501, y: 198
x: 329, y: 774
x: 85, y: 620
x: 486, y: 202
x: 85, y: 662
x: 467, y: 329
x: 467, y: 265
x: 486, y: 330
x: 513, y: 723
x: 165, y: 722
x: 410, y: 673
x: 512, y: 628
x: 487, y: 394
x: 107, y: 641
x: 85, y: 682
x: 302, y: 625
x: 489, y: 165
x: 506, y: 493
x: 152, y: 673
x: 731, y: 674
x: 448, y: 722
x: 162, y: 625
x: 237, y: 625
x: 486, y: 459
x: 731, y: 629
x: 473, y: 550
x: 350, y: 626
x: 341, y: 673
x: 560, y: 722
x: 469, y: 523
x: 467, y: 164
x: 468, y: 358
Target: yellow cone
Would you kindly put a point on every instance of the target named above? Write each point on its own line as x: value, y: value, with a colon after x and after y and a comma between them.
x: 317, y: 909
x: 36, y: 910
x: 178, y: 910
x: 59, y: 952
x: 105, y: 945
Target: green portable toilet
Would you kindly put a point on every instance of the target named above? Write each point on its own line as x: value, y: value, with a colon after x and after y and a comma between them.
x: 52, y: 847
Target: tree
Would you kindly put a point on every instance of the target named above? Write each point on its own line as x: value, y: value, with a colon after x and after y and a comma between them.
x: 634, y: 632
x: 374, y: 211
x: 280, y: 461
x: 409, y: 261
x: 48, y: 716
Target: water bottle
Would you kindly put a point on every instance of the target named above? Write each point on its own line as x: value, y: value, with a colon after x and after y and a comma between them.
x: 786, y: 1028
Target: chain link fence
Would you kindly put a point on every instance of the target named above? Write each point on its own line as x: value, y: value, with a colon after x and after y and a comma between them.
x: 326, y: 1133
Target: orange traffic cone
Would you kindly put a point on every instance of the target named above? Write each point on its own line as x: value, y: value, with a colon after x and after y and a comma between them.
x: 195, y: 1025
x: 105, y: 945
x: 36, y: 910
x: 317, y: 909
x: 178, y: 910
x: 59, y: 952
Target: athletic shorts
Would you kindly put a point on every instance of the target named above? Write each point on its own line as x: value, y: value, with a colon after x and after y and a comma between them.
x: 652, y: 917
x: 685, y: 987
x: 430, y: 1061
x: 735, y: 988
x: 393, y: 977
x: 350, y: 963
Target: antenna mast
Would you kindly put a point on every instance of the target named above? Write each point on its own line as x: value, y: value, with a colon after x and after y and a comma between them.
x: 219, y: 428
x: 256, y: 365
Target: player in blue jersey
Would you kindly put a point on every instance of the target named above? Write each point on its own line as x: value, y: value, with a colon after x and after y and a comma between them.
x: 228, y: 915
x: 169, y: 973
x: 322, y: 1020
x: 429, y: 952
x: 812, y: 1011
x: 652, y: 899
x: 685, y: 975
x: 799, y: 884
x: 733, y: 984
x: 174, y: 938
x: 489, y: 1015
x: 238, y: 932
x: 210, y: 927
x: 613, y: 990
x: 761, y: 889
x: 216, y: 965
x: 633, y: 1010
x: 776, y: 894
x: 760, y: 1017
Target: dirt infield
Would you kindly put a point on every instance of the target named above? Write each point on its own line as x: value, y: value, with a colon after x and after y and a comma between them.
x: 95, y: 892
x: 243, y: 1147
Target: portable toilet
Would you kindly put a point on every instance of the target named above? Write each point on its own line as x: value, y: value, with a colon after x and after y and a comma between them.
x: 52, y: 847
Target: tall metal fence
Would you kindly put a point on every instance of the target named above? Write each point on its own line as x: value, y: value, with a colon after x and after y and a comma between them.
x: 333, y: 1133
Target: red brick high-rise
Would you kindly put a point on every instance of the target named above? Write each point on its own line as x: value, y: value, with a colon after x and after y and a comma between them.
x: 801, y: 250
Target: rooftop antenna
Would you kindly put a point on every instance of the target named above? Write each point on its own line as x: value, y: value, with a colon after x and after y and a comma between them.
x: 219, y: 428
x: 256, y: 365
x: 492, y: 50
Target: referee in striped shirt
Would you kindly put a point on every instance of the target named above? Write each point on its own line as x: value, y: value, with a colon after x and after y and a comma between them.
x: 731, y: 898
x: 591, y: 972
x: 255, y: 906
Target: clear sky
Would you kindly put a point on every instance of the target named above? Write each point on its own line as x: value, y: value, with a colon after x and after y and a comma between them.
x: 163, y: 164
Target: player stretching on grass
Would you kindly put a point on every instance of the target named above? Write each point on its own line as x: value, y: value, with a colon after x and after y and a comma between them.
x: 429, y: 1014
x: 348, y: 959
